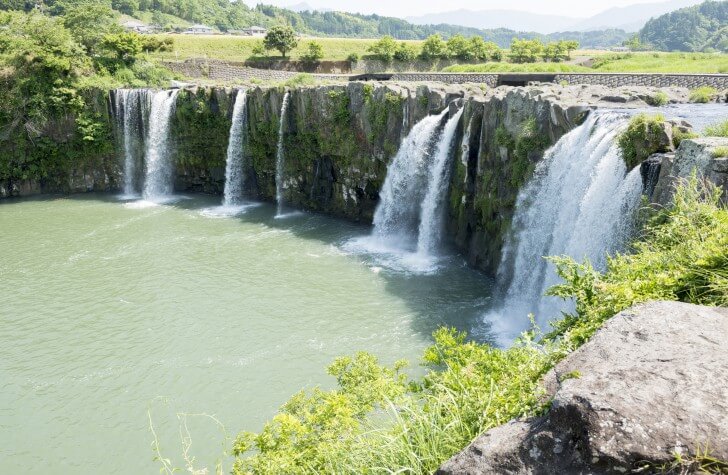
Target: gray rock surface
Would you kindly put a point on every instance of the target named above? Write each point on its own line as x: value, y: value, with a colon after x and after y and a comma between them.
x: 653, y: 381
x: 693, y: 155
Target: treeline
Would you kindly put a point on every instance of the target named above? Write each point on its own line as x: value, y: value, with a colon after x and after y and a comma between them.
x: 702, y: 27
x: 228, y: 15
x: 472, y: 49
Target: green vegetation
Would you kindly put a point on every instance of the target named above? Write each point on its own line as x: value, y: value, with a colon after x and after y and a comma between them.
x: 235, y: 15
x: 701, y: 27
x: 281, y: 38
x: 682, y: 255
x: 703, y: 95
x: 720, y: 152
x: 314, y: 52
x: 717, y: 130
x: 54, y: 71
x: 658, y: 99
x: 378, y: 420
x: 643, y: 137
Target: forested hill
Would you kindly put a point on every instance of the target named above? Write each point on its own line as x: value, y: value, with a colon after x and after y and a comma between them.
x: 703, y: 27
x: 230, y: 15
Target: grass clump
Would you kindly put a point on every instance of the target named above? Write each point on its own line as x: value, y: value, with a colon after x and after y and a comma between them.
x: 703, y: 95
x: 301, y: 79
x: 720, y: 152
x: 380, y: 421
x: 717, y: 130
x: 658, y: 99
x: 642, y: 138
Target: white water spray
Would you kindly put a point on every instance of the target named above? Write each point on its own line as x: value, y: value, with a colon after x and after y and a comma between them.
x: 433, y: 210
x: 396, y: 218
x: 234, y: 173
x: 280, y: 156
x: 580, y: 202
x: 130, y: 105
x: 158, y: 183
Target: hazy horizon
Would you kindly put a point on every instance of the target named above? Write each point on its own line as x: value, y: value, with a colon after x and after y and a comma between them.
x: 576, y: 9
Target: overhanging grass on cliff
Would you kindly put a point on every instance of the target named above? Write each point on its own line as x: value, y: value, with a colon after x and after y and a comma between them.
x: 378, y: 421
x: 517, y: 68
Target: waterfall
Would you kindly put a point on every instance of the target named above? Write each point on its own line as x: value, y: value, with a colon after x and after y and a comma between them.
x: 579, y: 203
x: 396, y: 219
x: 433, y: 211
x: 234, y: 173
x: 280, y: 156
x: 159, y: 173
x: 130, y: 105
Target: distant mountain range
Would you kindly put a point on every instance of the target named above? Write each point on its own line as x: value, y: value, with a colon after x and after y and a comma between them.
x: 630, y: 18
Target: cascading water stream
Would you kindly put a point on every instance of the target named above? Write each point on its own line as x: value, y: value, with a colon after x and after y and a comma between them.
x: 280, y: 156
x: 433, y: 211
x: 580, y: 202
x: 130, y: 105
x: 158, y: 183
x: 234, y: 173
x: 396, y: 219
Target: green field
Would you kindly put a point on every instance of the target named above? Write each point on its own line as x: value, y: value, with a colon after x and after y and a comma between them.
x: 237, y: 48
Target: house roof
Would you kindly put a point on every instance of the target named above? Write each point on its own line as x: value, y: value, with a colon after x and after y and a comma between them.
x: 200, y: 27
x: 257, y: 28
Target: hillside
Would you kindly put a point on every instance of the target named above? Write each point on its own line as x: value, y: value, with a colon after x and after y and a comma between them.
x: 227, y: 15
x: 703, y: 27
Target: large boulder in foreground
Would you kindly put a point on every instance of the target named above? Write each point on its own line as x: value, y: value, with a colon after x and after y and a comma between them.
x: 652, y: 382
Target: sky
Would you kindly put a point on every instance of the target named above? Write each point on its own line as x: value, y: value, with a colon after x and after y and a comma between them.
x: 404, y: 8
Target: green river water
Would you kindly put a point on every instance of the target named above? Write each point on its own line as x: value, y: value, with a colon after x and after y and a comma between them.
x: 113, y: 311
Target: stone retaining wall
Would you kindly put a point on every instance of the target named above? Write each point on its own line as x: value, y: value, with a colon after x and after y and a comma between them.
x: 238, y: 71
x: 690, y: 81
x: 234, y: 71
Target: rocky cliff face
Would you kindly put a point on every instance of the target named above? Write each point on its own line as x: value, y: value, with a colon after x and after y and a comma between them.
x: 648, y: 385
x: 339, y: 139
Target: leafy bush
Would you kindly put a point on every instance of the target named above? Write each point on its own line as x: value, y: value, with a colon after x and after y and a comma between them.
x: 484, y: 51
x: 353, y: 58
x: 314, y: 52
x: 559, y: 50
x: 405, y: 52
x: 434, y: 47
x: 717, y: 130
x: 703, y: 95
x: 526, y: 51
x: 384, y: 49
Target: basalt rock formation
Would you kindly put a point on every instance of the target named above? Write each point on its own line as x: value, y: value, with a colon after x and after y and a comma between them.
x: 649, y: 384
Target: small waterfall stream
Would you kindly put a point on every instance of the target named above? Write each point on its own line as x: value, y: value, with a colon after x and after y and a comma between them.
x: 280, y: 156
x: 433, y: 211
x: 579, y: 203
x: 130, y: 108
x: 234, y: 172
x: 158, y: 183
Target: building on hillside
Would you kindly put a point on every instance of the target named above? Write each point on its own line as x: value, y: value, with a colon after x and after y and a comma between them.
x: 255, y: 31
x: 199, y: 30
x: 137, y: 26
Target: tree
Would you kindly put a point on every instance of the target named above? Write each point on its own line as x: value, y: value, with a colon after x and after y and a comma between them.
x: 484, y: 51
x: 526, y: 51
x: 281, y: 38
x: 126, y: 46
x: 89, y: 22
x: 127, y: 7
x: 314, y: 52
x: 384, y: 49
x: 405, y: 52
x: 460, y: 48
x: 259, y: 49
x: 433, y: 47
